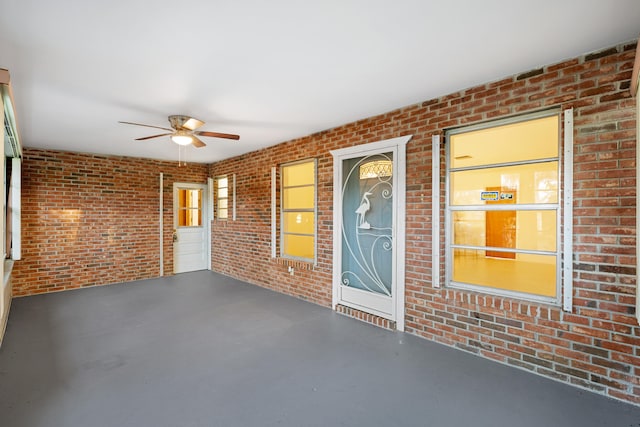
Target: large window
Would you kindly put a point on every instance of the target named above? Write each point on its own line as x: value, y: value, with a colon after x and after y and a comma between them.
x: 503, y: 207
x: 298, y: 210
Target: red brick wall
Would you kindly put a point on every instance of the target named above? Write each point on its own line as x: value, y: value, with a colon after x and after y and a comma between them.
x: 92, y: 220
x: 597, y: 346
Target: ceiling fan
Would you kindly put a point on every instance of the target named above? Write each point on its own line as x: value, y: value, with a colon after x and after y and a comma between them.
x: 184, y: 132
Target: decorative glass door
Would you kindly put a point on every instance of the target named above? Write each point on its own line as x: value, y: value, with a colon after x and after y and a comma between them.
x: 367, y: 224
x: 368, y: 213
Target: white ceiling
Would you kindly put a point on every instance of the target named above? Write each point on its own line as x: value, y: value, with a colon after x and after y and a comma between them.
x: 269, y: 70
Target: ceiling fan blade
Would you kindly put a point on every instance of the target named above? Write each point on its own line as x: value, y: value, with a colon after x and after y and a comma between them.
x: 192, y: 123
x: 197, y: 142
x: 218, y: 135
x: 153, y: 136
x: 148, y: 126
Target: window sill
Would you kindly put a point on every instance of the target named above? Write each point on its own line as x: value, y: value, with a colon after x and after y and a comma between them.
x: 516, y: 297
x: 297, y: 264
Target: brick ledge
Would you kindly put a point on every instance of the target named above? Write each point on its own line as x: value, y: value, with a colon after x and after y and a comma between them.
x: 300, y: 265
x: 366, y: 317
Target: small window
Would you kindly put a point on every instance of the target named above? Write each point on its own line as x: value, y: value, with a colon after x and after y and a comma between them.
x: 222, y: 200
x: 298, y: 210
x: 503, y: 207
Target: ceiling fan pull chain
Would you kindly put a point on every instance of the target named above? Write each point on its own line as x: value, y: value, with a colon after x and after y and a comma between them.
x: 182, y: 155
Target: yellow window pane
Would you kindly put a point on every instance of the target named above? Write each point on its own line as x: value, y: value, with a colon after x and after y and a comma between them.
x: 189, y: 207
x: 298, y: 246
x: 190, y: 198
x: 223, y: 182
x: 223, y: 213
x: 223, y: 193
x: 189, y: 217
x: 527, y: 140
x: 299, y: 174
x: 223, y: 203
x: 185, y: 198
x: 527, y: 230
x: 532, y: 274
x: 299, y: 198
x: 195, y: 217
x: 524, y: 184
x: 299, y: 222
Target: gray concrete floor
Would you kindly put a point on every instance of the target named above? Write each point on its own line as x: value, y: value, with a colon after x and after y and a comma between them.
x: 200, y: 349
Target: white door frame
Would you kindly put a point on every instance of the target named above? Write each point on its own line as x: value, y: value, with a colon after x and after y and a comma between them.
x: 206, y: 215
x: 210, y: 216
x: 398, y: 146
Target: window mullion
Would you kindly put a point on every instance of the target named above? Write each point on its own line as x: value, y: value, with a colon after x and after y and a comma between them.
x: 505, y: 164
x: 499, y: 249
x: 512, y: 207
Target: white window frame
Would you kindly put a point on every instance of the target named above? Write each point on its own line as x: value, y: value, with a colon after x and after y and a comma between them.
x: 635, y: 83
x: 315, y: 210
x: 218, y: 198
x: 449, y: 246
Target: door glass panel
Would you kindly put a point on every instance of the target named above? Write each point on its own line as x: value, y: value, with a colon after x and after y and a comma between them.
x: 367, y: 223
x: 189, y: 207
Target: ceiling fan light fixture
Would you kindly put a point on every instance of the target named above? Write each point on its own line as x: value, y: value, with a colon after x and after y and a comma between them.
x: 181, y: 138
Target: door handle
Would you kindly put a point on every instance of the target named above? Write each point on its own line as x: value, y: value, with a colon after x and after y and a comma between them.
x: 175, y: 235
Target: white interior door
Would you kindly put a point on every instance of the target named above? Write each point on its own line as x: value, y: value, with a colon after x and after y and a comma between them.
x: 369, y: 198
x: 190, y: 230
